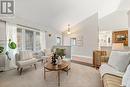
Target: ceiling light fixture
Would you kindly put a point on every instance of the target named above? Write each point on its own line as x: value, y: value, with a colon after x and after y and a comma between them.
x: 68, y: 32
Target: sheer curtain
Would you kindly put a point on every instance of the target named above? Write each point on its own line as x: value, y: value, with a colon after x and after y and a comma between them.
x: 29, y: 40
x: 19, y: 38
x: 38, y: 46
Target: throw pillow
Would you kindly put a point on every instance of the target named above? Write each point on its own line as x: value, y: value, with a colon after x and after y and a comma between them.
x: 126, y: 77
x: 25, y: 55
x: 30, y: 54
x: 119, y: 60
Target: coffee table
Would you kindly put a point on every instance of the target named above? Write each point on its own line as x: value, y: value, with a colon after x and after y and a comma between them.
x: 50, y: 67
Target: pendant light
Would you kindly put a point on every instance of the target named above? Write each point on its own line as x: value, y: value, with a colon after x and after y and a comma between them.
x: 68, y: 32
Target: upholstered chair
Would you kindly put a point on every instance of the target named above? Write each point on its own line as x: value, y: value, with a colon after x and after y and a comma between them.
x: 24, y: 59
x: 40, y: 56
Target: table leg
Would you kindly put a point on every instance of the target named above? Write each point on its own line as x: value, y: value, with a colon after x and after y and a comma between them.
x: 67, y: 70
x: 58, y: 77
x: 44, y: 73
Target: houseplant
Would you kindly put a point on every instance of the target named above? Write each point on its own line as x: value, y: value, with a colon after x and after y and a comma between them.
x: 60, y: 52
x: 6, y: 53
x: 12, y: 45
x: 1, y: 49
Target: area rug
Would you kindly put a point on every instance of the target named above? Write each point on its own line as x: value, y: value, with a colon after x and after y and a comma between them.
x: 79, y: 76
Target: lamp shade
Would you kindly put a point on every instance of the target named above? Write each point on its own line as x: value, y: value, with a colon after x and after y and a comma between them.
x: 117, y: 46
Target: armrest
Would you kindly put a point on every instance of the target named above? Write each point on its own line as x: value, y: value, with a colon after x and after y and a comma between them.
x: 112, y: 75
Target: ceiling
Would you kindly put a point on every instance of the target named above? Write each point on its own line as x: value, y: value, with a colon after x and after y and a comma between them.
x: 57, y: 14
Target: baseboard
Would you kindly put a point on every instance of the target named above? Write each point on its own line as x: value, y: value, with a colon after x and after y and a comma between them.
x: 82, y: 56
x: 82, y: 63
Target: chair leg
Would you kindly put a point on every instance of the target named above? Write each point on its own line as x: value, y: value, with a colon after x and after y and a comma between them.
x: 21, y: 69
x: 18, y: 69
x: 42, y: 61
x: 35, y: 66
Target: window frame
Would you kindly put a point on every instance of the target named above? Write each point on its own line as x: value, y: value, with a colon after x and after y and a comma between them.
x: 24, y: 37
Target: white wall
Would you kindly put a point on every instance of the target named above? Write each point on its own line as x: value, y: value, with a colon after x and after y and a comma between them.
x: 11, y: 33
x: 2, y: 33
x: 51, y: 40
x: 114, y: 21
x: 66, y: 41
x: 88, y: 31
x: 42, y: 40
x: 129, y: 28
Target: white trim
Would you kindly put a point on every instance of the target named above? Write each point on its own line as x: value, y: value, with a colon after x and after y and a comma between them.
x: 83, y: 56
x: 28, y: 28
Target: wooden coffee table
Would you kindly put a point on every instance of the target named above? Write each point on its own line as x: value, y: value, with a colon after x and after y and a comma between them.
x: 50, y: 67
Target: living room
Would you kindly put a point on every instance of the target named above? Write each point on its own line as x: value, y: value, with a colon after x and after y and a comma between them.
x: 64, y: 43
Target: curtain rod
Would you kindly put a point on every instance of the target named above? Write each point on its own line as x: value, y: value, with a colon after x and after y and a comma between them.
x: 24, y: 26
x: 29, y: 27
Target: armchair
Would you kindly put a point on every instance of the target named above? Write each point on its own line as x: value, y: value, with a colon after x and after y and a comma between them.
x: 24, y: 59
x: 41, y: 56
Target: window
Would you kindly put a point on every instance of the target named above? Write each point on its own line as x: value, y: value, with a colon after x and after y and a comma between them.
x: 29, y: 40
x: 19, y: 38
x: 58, y: 40
x: 38, y: 46
x: 73, y: 41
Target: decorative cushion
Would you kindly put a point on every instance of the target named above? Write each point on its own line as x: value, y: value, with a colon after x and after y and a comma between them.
x: 119, y: 60
x: 30, y: 54
x: 25, y: 55
x: 126, y: 77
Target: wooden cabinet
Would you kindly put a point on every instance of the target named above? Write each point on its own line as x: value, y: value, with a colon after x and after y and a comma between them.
x: 99, y: 57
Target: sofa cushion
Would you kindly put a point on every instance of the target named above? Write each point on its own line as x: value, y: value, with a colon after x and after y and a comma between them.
x: 111, y: 81
x: 106, y: 68
x: 30, y: 54
x: 26, y: 62
x: 126, y: 76
x: 119, y: 60
x: 25, y: 55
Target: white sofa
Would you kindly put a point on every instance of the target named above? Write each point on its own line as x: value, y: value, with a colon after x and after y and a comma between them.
x: 106, y: 68
x: 113, y: 71
x: 117, y: 63
x: 24, y: 59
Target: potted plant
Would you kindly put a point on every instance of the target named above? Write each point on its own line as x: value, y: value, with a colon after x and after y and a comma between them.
x: 60, y: 52
x: 6, y: 54
x: 11, y: 45
x: 1, y: 49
